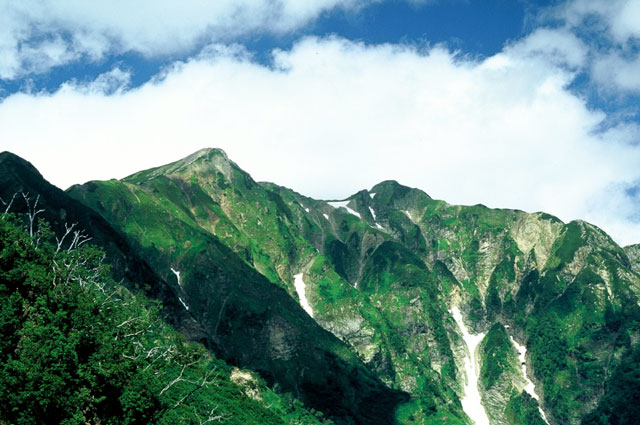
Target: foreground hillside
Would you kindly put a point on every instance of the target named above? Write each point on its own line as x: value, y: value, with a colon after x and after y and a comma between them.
x: 77, y: 348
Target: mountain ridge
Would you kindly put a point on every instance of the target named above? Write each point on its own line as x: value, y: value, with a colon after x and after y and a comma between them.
x: 236, y: 315
x: 382, y: 270
x: 362, y: 252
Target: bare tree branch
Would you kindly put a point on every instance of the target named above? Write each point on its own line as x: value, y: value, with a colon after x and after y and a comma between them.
x: 198, y: 384
x: 32, y: 212
x: 67, y: 230
x: 8, y: 204
x: 179, y: 378
x: 210, y: 416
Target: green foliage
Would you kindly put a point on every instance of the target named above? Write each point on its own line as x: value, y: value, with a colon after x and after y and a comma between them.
x: 498, y: 354
x: 77, y: 348
x: 419, y: 412
x: 549, y: 358
x: 567, y: 245
x: 331, y: 287
x: 62, y: 360
x: 523, y: 410
x: 620, y: 404
x: 393, y: 264
x: 444, y: 277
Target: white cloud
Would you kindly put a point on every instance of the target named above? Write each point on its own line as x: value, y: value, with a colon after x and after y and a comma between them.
x: 37, y: 35
x: 615, y: 62
x: 558, y: 46
x: 621, y: 18
x: 333, y: 117
x: 111, y: 82
x: 613, y: 71
x: 626, y: 22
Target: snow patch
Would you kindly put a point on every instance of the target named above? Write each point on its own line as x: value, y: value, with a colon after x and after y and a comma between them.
x: 184, y: 304
x: 177, y: 273
x: 300, y: 289
x: 373, y: 213
x: 408, y: 215
x: 530, y: 388
x: 307, y: 210
x: 471, y: 402
x: 350, y: 211
x: 373, y: 195
x: 339, y: 204
x: 343, y: 204
x: 326, y: 216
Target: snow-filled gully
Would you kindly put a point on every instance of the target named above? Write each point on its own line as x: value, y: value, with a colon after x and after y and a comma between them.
x: 530, y: 388
x: 471, y: 402
x: 300, y: 289
x: 177, y: 273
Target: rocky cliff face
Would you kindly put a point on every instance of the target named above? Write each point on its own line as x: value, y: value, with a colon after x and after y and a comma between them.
x: 633, y: 251
x: 381, y: 271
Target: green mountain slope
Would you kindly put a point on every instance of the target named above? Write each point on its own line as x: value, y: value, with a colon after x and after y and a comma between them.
x: 381, y: 271
x: 184, y: 234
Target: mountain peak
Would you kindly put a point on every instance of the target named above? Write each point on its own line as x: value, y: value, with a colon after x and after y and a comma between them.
x: 393, y: 189
x: 208, y: 152
x: 202, y: 160
x: 385, y: 184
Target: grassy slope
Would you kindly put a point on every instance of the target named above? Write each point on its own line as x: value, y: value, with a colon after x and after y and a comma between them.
x: 247, y: 319
x: 272, y: 231
x: 565, y: 285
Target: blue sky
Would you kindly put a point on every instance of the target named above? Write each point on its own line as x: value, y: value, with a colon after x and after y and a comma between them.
x: 511, y: 103
x: 475, y: 28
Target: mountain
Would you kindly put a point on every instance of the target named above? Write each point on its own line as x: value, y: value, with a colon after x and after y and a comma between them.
x: 240, y: 315
x: 389, y: 306
x: 246, y: 319
x: 633, y: 251
x: 384, y: 270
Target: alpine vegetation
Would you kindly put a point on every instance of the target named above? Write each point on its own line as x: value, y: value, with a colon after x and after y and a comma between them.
x: 216, y: 298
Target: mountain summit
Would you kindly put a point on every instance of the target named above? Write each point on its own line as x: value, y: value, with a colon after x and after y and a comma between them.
x: 205, y: 160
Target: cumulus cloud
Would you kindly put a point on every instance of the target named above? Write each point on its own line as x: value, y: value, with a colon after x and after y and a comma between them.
x: 111, y: 82
x: 614, y: 29
x: 621, y: 18
x: 37, y: 35
x: 332, y: 116
x: 558, y: 46
x: 615, y: 72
